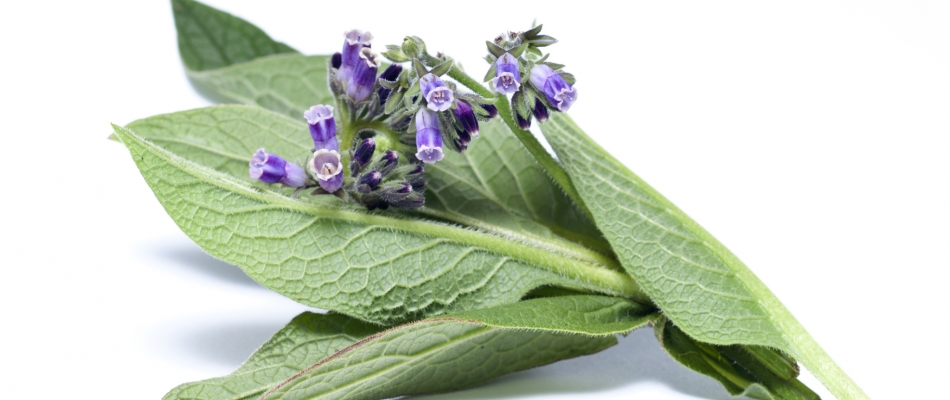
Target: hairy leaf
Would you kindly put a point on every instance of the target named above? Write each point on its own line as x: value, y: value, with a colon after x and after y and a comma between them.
x: 306, y: 340
x: 744, y: 370
x: 209, y: 38
x: 320, y: 252
x: 701, y: 286
x: 224, y: 137
x: 463, y: 350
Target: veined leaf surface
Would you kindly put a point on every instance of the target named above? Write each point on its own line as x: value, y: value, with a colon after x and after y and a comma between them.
x: 701, y: 286
x: 459, y: 351
x: 372, y: 266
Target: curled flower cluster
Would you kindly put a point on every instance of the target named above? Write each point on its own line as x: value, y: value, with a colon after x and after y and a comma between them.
x: 548, y: 88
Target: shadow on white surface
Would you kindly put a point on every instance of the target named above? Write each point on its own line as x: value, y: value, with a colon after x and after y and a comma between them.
x: 187, y: 255
x: 227, y: 344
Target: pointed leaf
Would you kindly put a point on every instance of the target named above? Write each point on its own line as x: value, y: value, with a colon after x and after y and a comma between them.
x: 306, y: 340
x: 694, y: 279
x: 210, y: 38
x: 463, y: 350
x: 735, y: 367
x: 322, y: 253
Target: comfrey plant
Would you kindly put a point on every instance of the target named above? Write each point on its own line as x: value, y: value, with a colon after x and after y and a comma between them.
x: 441, y: 269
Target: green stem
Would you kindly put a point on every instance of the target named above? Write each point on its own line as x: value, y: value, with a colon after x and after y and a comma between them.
x: 469, y: 82
x: 550, y: 165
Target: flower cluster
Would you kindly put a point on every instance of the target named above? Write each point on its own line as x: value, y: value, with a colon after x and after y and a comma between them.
x: 520, y: 69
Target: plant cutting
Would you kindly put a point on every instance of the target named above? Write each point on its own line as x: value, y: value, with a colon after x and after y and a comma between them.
x: 410, y: 200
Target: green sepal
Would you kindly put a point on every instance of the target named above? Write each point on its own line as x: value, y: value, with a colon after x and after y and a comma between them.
x: 392, y: 103
x: 535, y: 51
x: 491, y: 73
x: 568, y: 77
x: 533, y: 32
x: 554, y: 66
x: 414, y: 89
x: 389, y: 84
x: 518, y: 51
x: 419, y: 68
x: 442, y: 68
x: 495, y: 49
x: 542, y: 41
x: 395, y: 54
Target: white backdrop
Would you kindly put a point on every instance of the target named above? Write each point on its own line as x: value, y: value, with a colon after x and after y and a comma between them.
x: 811, y: 139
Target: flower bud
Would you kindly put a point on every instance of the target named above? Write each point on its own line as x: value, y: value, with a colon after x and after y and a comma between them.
x: 523, y: 122
x: 322, y: 127
x: 352, y: 45
x: 507, y: 76
x: 555, y: 88
x: 390, y: 74
x: 371, y: 180
x: 540, y: 111
x: 463, y: 112
x: 428, y: 136
x: 328, y: 169
x: 360, y: 85
x: 492, y: 111
x: 413, y: 47
x: 364, y: 151
x: 388, y: 162
x: 336, y: 60
x: 438, y: 96
x: 270, y: 168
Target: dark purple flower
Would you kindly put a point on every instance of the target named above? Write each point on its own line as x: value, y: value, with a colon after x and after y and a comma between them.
x: 507, y: 76
x: 355, y: 41
x: 360, y: 85
x: 540, y: 111
x: 523, y: 122
x: 428, y: 136
x: 372, y: 179
x: 555, y: 88
x: 388, y: 162
x: 438, y: 96
x: 270, y: 168
x: 463, y: 112
x: 322, y: 127
x: 391, y: 73
x: 492, y: 111
x: 336, y: 60
x: 328, y: 169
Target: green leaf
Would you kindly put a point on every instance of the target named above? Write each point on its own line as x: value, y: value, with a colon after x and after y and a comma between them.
x: 288, y: 84
x: 463, y: 350
x: 209, y: 38
x: 701, y: 286
x: 306, y: 340
x: 736, y: 367
x: 323, y: 253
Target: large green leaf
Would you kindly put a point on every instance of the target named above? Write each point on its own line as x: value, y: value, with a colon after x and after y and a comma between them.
x: 306, y: 340
x: 459, y: 351
x: 495, y: 181
x: 324, y: 253
x: 209, y: 38
x: 311, y: 338
x: 694, y: 279
x: 744, y: 370
x: 224, y: 137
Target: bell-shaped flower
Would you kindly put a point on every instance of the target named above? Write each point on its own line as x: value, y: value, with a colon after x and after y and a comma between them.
x: 355, y: 41
x: 391, y: 74
x: 507, y: 76
x: 360, y: 85
x: 270, y: 168
x: 322, y: 127
x: 428, y: 136
x: 560, y: 93
x: 328, y: 169
x: 438, y: 96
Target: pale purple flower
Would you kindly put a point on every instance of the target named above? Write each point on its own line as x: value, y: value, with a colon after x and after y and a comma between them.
x: 438, y: 96
x: 360, y: 85
x: 507, y: 76
x: 322, y: 127
x: 428, y: 136
x: 270, y: 168
x: 355, y: 41
x: 328, y: 169
x: 555, y: 88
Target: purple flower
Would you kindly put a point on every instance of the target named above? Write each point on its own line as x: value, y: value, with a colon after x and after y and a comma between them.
x: 540, y: 111
x: 355, y: 41
x: 322, y: 127
x: 463, y: 112
x: 328, y: 169
x: 364, y: 151
x: 492, y: 111
x: 555, y: 88
x: 438, y: 96
x: 270, y: 168
x: 428, y: 136
x: 507, y: 77
x: 360, y: 85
